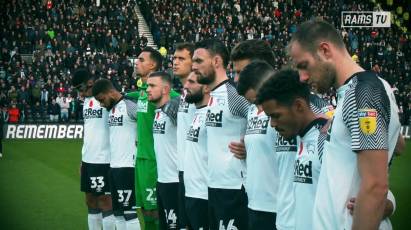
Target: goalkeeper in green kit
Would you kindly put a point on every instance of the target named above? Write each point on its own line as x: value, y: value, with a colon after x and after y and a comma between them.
x: 148, y: 61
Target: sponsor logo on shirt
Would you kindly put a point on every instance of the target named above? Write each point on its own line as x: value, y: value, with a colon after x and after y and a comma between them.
x: 368, y: 120
x: 183, y: 107
x: 283, y: 145
x: 303, y: 172
x: 159, y: 127
x: 192, y: 134
x: 142, y: 106
x: 91, y: 113
x: 257, y: 126
x: 214, y: 119
x: 114, y: 120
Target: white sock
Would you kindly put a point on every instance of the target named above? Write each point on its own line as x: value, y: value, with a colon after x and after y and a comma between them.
x: 94, y: 221
x: 133, y: 224
x: 109, y: 222
x: 121, y: 223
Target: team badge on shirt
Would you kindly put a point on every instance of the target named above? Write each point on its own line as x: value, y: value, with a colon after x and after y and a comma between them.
x: 368, y: 120
x: 328, y: 111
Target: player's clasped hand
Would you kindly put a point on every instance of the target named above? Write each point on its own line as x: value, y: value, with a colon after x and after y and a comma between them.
x: 350, y: 205
x: 238, y: 149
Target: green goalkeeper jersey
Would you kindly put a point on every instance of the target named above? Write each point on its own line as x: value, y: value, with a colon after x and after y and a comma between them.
x: 145, y: 119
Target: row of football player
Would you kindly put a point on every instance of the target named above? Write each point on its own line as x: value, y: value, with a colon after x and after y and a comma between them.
x: 282, y: 168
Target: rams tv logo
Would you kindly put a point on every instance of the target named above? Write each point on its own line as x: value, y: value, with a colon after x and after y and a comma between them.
x: 365, y: 19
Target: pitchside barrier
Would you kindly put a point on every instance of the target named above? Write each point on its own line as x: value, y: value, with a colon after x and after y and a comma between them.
x: 74, y: 131
x: 43, y: 131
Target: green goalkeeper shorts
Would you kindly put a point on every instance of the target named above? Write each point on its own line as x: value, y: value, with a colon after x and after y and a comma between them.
x: 145, y: 181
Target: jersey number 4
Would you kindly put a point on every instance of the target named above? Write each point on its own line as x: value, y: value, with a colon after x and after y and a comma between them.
x: 171, y: 217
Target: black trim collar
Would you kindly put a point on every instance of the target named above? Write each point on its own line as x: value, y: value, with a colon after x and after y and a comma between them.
x: 318, y: 121
x: 221, y: 83
x: 201, y: 106
x: 121, y: 98
x: 355, y: 74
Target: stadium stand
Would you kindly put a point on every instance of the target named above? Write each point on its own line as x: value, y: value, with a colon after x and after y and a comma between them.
x: 43, y: 43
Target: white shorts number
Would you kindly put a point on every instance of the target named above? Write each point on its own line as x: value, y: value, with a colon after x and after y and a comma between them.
x: 97, y: 182
x: 121, y: 197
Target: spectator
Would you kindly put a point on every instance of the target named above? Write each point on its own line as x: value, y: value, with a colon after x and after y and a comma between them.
x: 4, y: 116
x: 24, y: 109
x: 64, y: 109
x: 36, y: 93
x: 54, y: 111
x: 106, y: 37
x: 59, y: 98
x: 14, y: 114
x: 23, y: 95
x: 44, y: 96
x: 37, y: 111
x: 73, y: 110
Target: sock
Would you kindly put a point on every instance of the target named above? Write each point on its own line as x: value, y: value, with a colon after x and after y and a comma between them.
x: 109, y: 221
x: 120, y: 223
x: 94, y: 219
x: 151, y: 223
x: 133, y: 224
x: 132, y: 221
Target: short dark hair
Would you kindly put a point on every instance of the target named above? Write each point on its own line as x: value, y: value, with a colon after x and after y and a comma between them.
x: 80, y: 76
x: 253, y: 76
x: 165, y: 77
x: 253, y: 50
x: 102, y: 86
x: 155, y: 56
x: 310, y: 33
x: 214, y: 47
x: 284, y: 87
x: 186, y: 46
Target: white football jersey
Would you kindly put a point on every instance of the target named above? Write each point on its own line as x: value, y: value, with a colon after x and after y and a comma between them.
x: 196, y: 157
x: 306, y: 172
x: 96, y: 145
x: 165, y: 139
x: 286, y: 151
x: 262, y: 173
x: 184, y: 118
x: 123, y: 136
x: 366, y: 117
x: 226, y: 122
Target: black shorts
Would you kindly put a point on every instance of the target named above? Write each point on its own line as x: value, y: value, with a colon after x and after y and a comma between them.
x: 167, y: 196
x: 197, y: 210
x: 259, y: 220
x: 95, y: 178
x: 123, y: 192
x: 227, y: 208
x: 181, y: 200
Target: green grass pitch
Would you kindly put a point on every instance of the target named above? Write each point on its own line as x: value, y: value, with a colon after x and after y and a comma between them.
x: 40, y: 189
